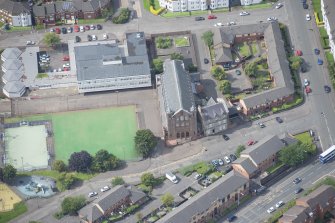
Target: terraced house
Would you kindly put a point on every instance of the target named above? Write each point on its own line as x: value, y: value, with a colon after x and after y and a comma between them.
x: 328, y: 14
x: 15, y: 13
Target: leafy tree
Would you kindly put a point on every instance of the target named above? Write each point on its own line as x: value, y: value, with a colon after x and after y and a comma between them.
x: 59, y: 166
x: 80, y: 161
x: 295, y: 65
x: 239, y: 149
x: 123, y: 17
x: 250, y: 69
x: 293, y: 154
x: 65, y: 181
x: 1, y: 174
x: 104, y: 161
x: 51, y: 39
x: 309, y: 148
x: 9, y: 173
x: 207, y: 37
x: 70, y: 205
x: 176, y: 56
x: 167, y: 199
x: 192, y: 68
x: 158, y: 65
x: 295, y: 62
x: 139, y: 216
x: 117, y: 181
x: 148, y: 179
x: 145, y: 142
x: 218, y: 73
x: 225, y: 87
x: 163, y: 43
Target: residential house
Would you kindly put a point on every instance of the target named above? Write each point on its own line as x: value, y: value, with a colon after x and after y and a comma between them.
x: 177, y: 106
x: 311, y: 207
x: 214, y: 117
x: 192, y: 5
x: 328, y: 14
x: 14, y: 89
x: 10, y: 54
x: 15, y: 13
x: 111, y: 201
x: 212, y: 202
x: 259, y: 157
x: 108, y: 65
x: 250, y: 2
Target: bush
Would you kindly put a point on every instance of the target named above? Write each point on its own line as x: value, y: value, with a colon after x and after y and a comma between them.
x: 163, y: 42
x: 123, y: 17
x: 218, y: 73
x: 70, y: 205
x: 65, y: 181
x: 201, y: 168
x: 59, y: 166
x: 239, y: 149
x: 117, y: 181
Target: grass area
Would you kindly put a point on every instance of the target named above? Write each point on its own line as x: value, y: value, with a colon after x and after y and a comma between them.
x: 243, y: 49
x: 169, y: 14
x: 254, y: 48
x: 42, y: 75
x: 304, y: 137
x: 201, y: 168
x: 330, y: 58
x: 112, y: 129
x: 323, y: 32
x: 90, y: 21
x: 297, y: 100
x: 182, y: 41
x: 220, y: 10
x: 317, y: 8
x: 55, y: 174
x: 273, y: 169
x: 279, y: 212
x: 156, y: 4
x: 19, y: 209
x: 146, y: 4
x: 19, y: 28
x: 260, y: 81
x: 263, y: 5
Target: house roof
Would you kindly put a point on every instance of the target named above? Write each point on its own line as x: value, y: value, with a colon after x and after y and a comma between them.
x: 103, y: 60
x: 213, y: 110
x: 246, y: 164
x: 90, y: 213
x: 136, y: 195
x: 14, y: 8
x: 11, y: 53
x: 262, y: 150
x: 12, y: 64
x: 90, y: 5
x: 14, y: 88
x: 222, y: 53
x: 319, y: 197
x: 12, y: 75
x: 295, y: 214
x: 65, y: 6
x: 329, y: 8
x: 176, y: 86
x: 203, y: 200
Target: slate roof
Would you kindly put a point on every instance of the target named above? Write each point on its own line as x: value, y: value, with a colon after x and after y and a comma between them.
x: 263, y: 149
x: 176, y: 87
x: 246, y: 164
x: 14, y: 88
x: 14, y: 8
x: 222, y: 53
x: 319, y: 197
x: 213, y: 110
x: 11, y: 53
x: 107, y: 60
x: 204, y: 199
x: 136, y: 195
x: 295, y: 214
x: 90, y: 5
x: 12, y: 64
x: 12, y: 75
x: 329, y: 8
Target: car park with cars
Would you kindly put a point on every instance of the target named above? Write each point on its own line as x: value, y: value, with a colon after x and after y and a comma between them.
x: 271, y: 19
x: 197, y: 176
x: 218, y: 24
x: 76, y: 29
x: 66, y: 58
x: 57, y: 30
x: 69, y: 29
x: 232, y: 23
x: 94, y: 37
x: 87, y: 28
x: 82, y: 29
x: 77, y: 39
x: 89, y: 38
x: 221, y: 163
x: 99, y: 27
x: 105, y: 36
x: 92, y: 27
x: 29, y: 42
x: 250, y: 142
x: 64, y: 30
x: 232, y: 157
x: 52, y: 30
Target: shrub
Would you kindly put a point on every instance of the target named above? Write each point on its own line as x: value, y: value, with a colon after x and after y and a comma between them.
x: 117, y: 181
x: 123, y: 17
x: 163, y: 42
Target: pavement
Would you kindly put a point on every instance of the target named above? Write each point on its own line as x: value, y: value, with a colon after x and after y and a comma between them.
x: 305, y: 117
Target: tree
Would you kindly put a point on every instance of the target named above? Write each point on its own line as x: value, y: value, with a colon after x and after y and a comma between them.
x: 295, y: 65
x: 117, y: 181
x: 104, y: 161
x: 123, y: 16
x: 250, y: 69
x: 51, y: 39
x: 65, y: 181
x: 80, y: 161
x: 70, y: 205
x: 239, y: 149
x: 192, y: 68
x: 167, y: 199
x: 145, y: 142
x: 225, y: 87
x: 292, y: 155
x: 176, y: 56
x: 59, y: 166
x: 1, y: 174
x: 148, y: 179
x: 9, y: 173
x: 158, y: 65
x: 218, y: 73
x: 139, y: 216
x: 163, y: 43
x: 207, y: 37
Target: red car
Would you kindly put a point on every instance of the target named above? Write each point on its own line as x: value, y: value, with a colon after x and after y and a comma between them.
x: 212, y: 17
x: 76, y: 29
x: 66, y: 58
x: 251, y: 142
x: 298, y: 53
x: 57, y: 30
x: 66, y: 68
x: 308, y: 89
x: 87, y: 27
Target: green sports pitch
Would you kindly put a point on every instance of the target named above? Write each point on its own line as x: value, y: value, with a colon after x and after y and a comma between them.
x: 112, y: 129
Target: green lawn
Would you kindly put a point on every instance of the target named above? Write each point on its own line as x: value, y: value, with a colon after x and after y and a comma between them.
x: 55, y: 174
x: 330, y: 57
x: 304, y: 137
x: 146, y: 5
x: 19, y: 209
x: 112, y: 129
x: 182, y: 41
x: 254, y: 48
x: 323, y: 32
x: 317, y: 8
x: 263, y: 5
x: 243, y: 49
x: 90, y: 21
x: 169, y: 14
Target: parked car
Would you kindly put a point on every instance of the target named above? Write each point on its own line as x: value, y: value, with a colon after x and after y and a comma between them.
x: 69, y: 29
x: 94, y: 37
x: 221, y: 163
x: 306, y: 82
x: 227, y: 169
x: 66, y: 58
x: 297, y: 180
x: 244, y: 13
x: 250, y: 142
x: 226, y: 158
x: 232, y: 157
x: 64, y: 30
x: 308, y: 90
x: 271, y: 19
x: 215, y: 162
x: 320, y: 62
x: 92, y: 194
x: 237, y: 72
x: 279, y: 120
x: 206, y: 61
x: 308, y: 17
x: 211, y: 17
x: 198, y: 18
x: 57, y: 30
x: 76, y: 29
x: 105, y: 36
x: 305, y: 6
x: 77, y: 39
x: 231, y: 218
x: 105, y: 188
x: 279, y: 5
x: 225, y: 137
x: 218, y: 24
x: 82, y: 29
x: 52, y: 30
x: 316, y: 51
x: 232, y: 23
x: 261, y: 124
x: 66, y: 65
x: 99, y: 27
x: 271, y: 209
x: 298, y: 53
x: 197, y: 176
x: 29, y: 42
x: 279, y: 204
x: 92, y: 27
x: 327, y: 88
x: 87, y: 27
x: 298, y: 190
x: 66, y: 68
x: 303, y: 68
x: 89, y: 37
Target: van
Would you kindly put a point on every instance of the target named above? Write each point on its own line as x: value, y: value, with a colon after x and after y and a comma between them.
x: 171, y: 177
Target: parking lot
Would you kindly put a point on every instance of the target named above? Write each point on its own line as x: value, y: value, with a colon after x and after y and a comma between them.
x: 55, y: 62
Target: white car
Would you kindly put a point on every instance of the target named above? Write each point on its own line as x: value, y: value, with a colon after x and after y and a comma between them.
x: 197, y: 176
x: 279, y: 204
x: 94, y: 37
x: 82, y: 29
x: 271, y: 209
x: 244, y: 13
x: 306, y: 82
x: 270, y: 19
x: 66, y: 65
x: 279, y: 5
x: 105, y: 36
x: 231, y: 23
x: 308, y: 17
x: 226, y: 158
x: 69, y: 29
x: 105, y: 188
x: 92, y: 27
x: 92, y: 194
x: 220, y: 162
x: 29, y: 42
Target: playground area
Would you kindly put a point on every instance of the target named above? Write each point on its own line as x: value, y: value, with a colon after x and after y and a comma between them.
x: 7, y: 198
x: 35, y: 186
x: 112, y: 129
x: 26, y: 147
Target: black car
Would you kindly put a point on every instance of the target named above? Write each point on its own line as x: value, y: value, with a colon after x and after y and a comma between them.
x: 206, y: 61
x: 305, y: 6
x: 303, y: 68
x: 89, y: 37
x: 225, y: 137
x: 199, y: 18
x: 77, y: 39
x: 227, y: 169
x: 327, y: 88
x: 279, y: 120
x: 231, y: 218
x: 298, y: 190
x: 232, y: 157
x: 297, y: 180
x: 64, y: 30
x: 99, y: 27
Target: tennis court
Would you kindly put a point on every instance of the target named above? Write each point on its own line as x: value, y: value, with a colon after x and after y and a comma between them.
x: 26, y: 147
x: 112, y: 129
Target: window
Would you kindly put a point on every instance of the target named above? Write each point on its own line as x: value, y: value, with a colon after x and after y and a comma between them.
x: 187, y: 134
x: 182, y: 135
x: 186, y: 117
x: 178, y: 135
x: 181, y: 118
